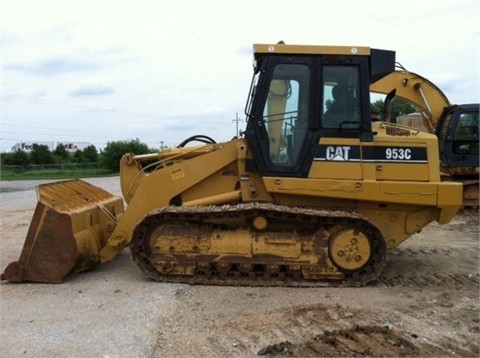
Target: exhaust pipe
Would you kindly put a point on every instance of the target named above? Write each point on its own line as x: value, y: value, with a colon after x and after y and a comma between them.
x: 387, y: 111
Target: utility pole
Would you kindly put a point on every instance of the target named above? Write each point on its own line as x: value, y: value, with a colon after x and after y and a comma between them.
x: 236, y: 120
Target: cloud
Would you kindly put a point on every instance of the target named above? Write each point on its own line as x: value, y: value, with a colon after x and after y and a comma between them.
x: 54, y: 65
x: 91, y: 90
x: 7, y: 38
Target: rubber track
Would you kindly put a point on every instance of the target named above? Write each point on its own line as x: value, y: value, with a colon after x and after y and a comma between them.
x: 201, y: 214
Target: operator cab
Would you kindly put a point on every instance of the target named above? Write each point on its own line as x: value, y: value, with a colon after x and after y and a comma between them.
x: 458, y: 136
x: 302, y: 93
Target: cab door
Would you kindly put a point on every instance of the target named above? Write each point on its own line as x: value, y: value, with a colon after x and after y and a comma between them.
x: 338, y: 153
x: 279, y: 129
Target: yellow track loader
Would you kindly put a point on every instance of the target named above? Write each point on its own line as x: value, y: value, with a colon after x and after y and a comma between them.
x: 314, y: 192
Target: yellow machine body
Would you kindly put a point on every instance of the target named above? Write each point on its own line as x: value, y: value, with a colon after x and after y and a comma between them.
x: 215, y: 214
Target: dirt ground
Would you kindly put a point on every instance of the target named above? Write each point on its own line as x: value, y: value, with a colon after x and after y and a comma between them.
x: 425, y: 304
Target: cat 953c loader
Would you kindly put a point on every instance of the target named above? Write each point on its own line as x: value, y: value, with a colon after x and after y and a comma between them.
x: 313, y: 192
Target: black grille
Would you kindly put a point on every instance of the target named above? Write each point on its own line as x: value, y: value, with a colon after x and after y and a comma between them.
x: 397, y: 131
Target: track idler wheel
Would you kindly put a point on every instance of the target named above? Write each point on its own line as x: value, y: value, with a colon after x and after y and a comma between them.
x: 350, y: 249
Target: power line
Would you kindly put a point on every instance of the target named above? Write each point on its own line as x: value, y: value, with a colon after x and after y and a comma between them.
x: 236, y: 120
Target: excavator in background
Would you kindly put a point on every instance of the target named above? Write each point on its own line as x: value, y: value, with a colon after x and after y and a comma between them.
x: 455, y: 125
x: 312, y: 193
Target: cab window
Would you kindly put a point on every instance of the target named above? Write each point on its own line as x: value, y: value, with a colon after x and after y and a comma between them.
x: 341, y: 97
x: 286, y: 112
x: 466, y: 136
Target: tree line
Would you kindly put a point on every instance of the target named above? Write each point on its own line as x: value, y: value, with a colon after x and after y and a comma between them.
x: 108, y: 158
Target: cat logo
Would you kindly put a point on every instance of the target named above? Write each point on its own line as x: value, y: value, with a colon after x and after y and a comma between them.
x: 337, y: 153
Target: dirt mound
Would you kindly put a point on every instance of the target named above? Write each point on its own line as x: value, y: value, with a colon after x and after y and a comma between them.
x: 361, y: 341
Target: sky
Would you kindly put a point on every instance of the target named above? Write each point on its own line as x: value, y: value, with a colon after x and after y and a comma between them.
x: 162, y: 71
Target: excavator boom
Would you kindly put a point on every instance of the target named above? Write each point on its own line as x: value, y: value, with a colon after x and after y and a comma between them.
x: 416, y: 90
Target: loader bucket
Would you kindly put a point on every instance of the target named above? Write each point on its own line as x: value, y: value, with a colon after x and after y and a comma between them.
x: 71, y: 223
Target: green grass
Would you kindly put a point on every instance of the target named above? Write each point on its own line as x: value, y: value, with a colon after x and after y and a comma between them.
x: 55, y: 174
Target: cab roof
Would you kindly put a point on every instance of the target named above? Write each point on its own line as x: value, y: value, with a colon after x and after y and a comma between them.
x: 381, y: 62
x: 311, y: 49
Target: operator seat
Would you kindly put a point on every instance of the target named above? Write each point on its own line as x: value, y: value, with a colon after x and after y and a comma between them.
x: 341, y: 112
x: 337, y: 110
